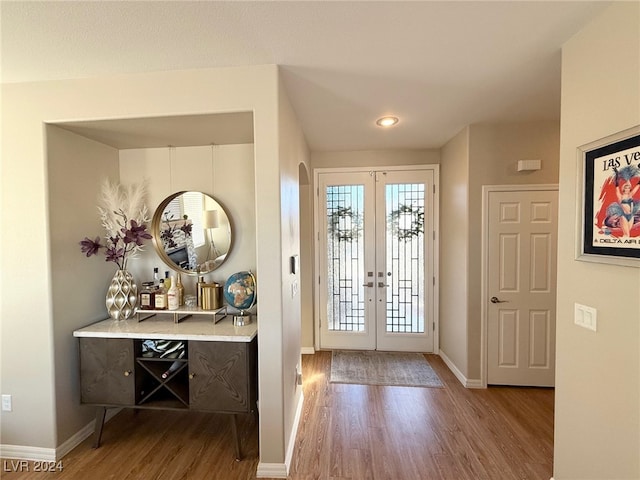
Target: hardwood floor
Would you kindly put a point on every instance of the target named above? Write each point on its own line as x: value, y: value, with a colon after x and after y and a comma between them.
x: 347, y: 432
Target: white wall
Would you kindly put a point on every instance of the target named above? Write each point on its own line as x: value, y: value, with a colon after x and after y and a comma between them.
x: 28, y: 339
x: 226, y: 172
x: 597, y: 428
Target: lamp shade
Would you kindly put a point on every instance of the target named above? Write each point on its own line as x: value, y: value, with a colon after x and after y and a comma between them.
x: 210, y: 219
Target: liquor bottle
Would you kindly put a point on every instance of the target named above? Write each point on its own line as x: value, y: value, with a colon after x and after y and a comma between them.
x: 147, y: 296
x: 156, y: 277
x: 180, y: 290
x: 199, y: 290
x: 172, y: 368
x: 167, y: 281
x: 172, y: 295
x: 161, y: 297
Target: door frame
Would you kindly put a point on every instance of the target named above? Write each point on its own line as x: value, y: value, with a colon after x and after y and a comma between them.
x: 435, y: 168
x: 484, y: 267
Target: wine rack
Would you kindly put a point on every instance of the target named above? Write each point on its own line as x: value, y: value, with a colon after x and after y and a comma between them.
x: 160, y: 384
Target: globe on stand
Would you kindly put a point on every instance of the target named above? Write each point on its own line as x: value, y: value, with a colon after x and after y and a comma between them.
x: 240, y: 293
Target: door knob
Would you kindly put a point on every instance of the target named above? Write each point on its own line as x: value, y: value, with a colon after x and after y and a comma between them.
x: 382, y: 284
x: 368, y: 284
x: 497, y: 300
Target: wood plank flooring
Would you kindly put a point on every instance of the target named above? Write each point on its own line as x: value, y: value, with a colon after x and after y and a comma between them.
x: 347, y: 432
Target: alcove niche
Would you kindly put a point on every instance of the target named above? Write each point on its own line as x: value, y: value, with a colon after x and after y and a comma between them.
x: 212, y: 153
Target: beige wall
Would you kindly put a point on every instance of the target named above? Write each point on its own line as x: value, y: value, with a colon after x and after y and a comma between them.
x: 494, y: 151
x: 597, y: 431
x: 30, y: 329
x: 73, y: 216
x: 454, y: 250
x: 306, y: 265
x: 482, y: 154
x: 293, y: 152
x: 374, y: 158
x: 90, y: 163
x: 359, y: 158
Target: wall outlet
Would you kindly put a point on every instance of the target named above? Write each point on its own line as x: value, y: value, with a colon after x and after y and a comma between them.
x: 6, y: 403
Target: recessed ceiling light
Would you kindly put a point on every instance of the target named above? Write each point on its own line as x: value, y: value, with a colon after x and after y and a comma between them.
x: 387, y: 121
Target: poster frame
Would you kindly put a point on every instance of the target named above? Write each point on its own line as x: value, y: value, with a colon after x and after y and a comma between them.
x: 610, y: 155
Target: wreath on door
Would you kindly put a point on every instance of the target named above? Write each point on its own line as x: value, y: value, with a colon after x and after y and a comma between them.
x: 407, y: 221
x: 345, y: 225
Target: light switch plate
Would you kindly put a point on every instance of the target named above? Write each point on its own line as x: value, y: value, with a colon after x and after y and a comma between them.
x: 585, y: 316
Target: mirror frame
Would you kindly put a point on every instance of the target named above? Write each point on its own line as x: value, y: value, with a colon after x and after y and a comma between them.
x: 159, y: 246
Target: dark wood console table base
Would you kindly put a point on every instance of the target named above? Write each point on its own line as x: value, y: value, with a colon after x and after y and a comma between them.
x: 212, y: 376
x: 101, y: 413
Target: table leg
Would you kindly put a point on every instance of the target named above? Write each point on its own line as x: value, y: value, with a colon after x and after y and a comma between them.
x: 100, y: 414
x: 236, y: 438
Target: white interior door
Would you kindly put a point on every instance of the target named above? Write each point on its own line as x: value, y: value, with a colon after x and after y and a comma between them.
x: 376, y: 237
x: 521, y: 262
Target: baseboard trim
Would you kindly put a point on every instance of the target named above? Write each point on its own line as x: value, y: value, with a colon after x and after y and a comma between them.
x: 294, y: 432
x: 83, y: 434
x: 474, y: 383
x: 75, y: 440
x: 24, y: 452
x: 307, y: 351
x: 271, y: 470
x: 281, y: 470
x: 467, y: 383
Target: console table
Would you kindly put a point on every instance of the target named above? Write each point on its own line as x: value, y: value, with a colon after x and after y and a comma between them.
x: 217, y: 372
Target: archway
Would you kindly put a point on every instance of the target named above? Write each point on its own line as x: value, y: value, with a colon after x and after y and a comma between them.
x: 306, y: 259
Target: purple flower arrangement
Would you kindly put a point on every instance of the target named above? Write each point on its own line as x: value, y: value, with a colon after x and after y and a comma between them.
x: 123, y: 214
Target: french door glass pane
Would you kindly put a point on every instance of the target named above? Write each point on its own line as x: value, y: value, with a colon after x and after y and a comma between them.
x: 345, y: 250
x: 405, y: 257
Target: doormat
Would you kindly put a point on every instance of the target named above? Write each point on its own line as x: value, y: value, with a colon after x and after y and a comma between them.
x: 382, y: 368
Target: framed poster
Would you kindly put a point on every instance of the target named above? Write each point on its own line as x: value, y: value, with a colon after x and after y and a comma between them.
x: 610, y: 199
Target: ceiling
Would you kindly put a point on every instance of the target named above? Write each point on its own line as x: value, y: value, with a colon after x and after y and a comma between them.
x: 175, y: 131
x: 438, y: 66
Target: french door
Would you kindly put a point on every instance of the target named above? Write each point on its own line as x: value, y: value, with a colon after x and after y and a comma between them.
x: 377, y: 240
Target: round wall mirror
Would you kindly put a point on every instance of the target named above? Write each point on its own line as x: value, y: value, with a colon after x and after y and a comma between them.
x: 191, y: 232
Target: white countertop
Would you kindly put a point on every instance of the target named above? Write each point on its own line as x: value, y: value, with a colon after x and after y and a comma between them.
x: 162, y: 327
